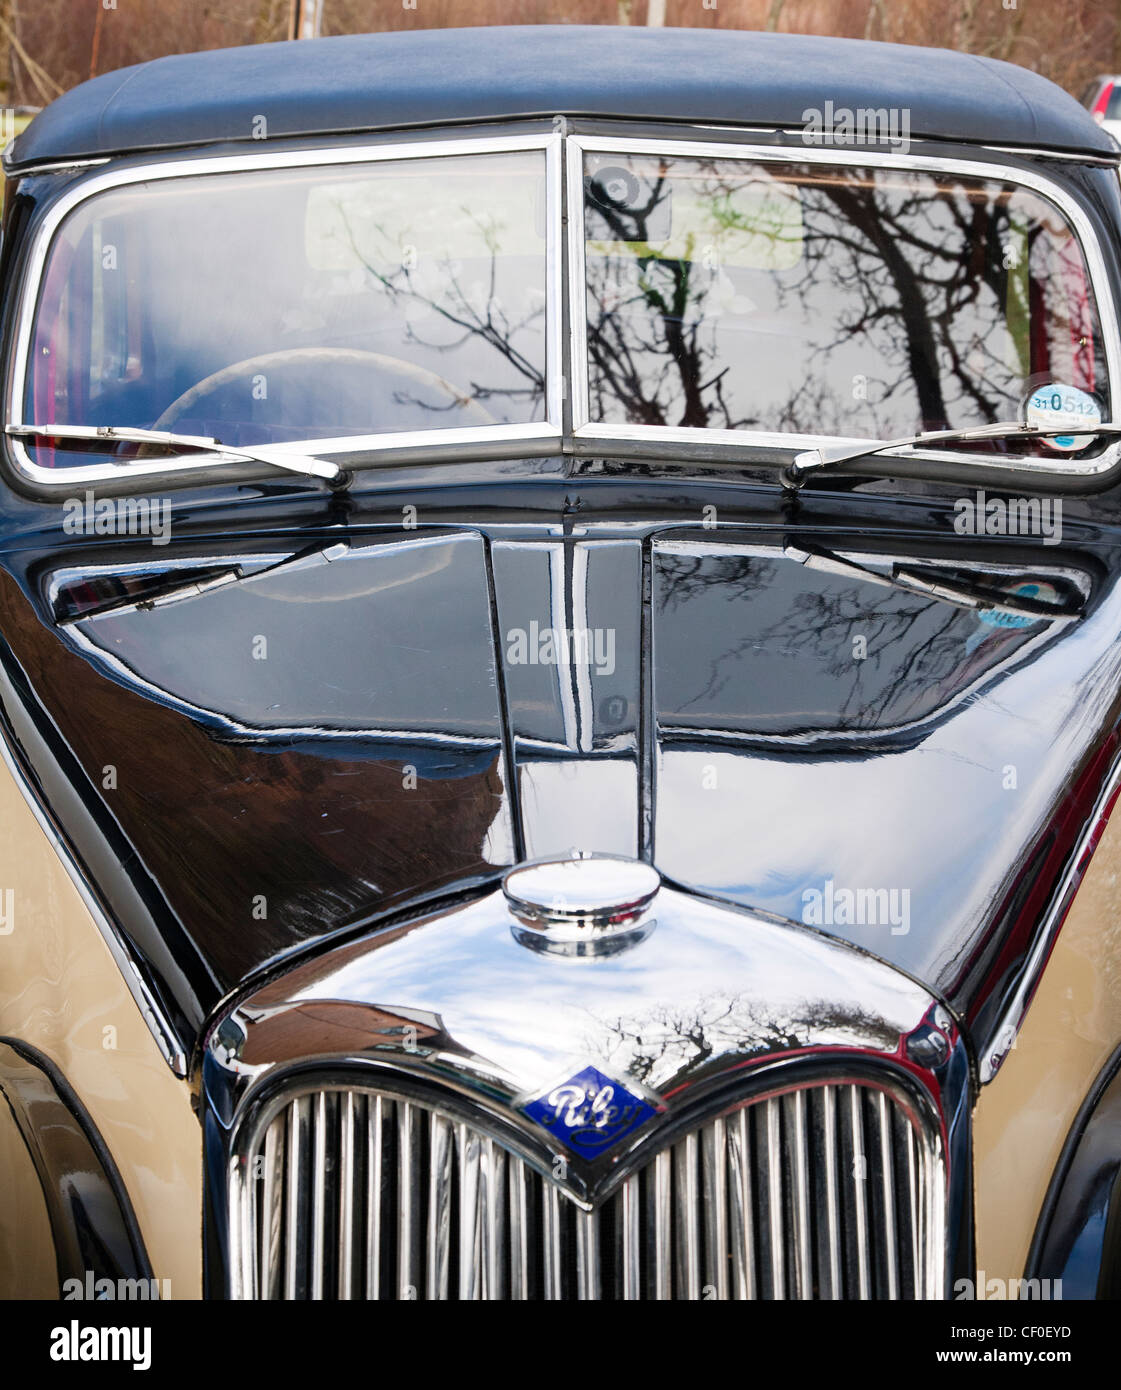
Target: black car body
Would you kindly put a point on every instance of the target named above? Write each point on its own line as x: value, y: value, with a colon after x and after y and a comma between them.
x: 580, y: 585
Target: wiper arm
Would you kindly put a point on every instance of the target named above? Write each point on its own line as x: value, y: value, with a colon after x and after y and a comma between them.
x: 276, y: 458
x: 826, y: 459
x: 175, y: 591
x: 953, y: 591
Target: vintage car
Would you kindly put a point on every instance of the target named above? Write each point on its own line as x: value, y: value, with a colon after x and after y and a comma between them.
x: 560, y: 675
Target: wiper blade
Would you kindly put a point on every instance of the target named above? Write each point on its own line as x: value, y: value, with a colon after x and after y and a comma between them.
x: 276, y: 458
x: 826, y: 459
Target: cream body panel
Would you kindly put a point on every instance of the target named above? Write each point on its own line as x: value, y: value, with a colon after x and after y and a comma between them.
x: 61, y: 991
x: 1024, y: 1115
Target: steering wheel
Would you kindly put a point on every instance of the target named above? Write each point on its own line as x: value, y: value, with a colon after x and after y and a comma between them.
x: 394, y: 371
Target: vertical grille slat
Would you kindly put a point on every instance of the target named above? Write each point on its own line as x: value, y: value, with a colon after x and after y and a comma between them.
x: 376, y: 1106
x: 776, y: 1225
x: 889, y: 1240
x: 686, y: 1210
x: 439, y: 1206
x: 630, y: 1219
x: 347, y: 1168
x: 551, y: 1250
x: 823, y: 1191
x: 295, y: 1233
x: 714, y: 1150
x: 663, y: 1226
x: 519, y: 1229
x: 831, y: 1203
x: 796, y: 1163
x: 858, y: 1182
x: 741, y: 1203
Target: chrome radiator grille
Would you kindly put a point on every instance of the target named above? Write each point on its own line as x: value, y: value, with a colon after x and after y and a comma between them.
x: 823, y: 1192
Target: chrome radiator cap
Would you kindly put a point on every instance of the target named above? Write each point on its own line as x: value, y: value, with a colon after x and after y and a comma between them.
x: 594, y: 904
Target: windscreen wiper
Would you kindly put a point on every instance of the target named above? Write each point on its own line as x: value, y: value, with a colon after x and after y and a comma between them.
x: 173, y: 590
x: 275, y: 458
x: 814, y: 461
x: 949, y: 589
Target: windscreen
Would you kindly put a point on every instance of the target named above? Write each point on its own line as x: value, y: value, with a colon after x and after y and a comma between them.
x: 298, y: 304
x: 817, y: 300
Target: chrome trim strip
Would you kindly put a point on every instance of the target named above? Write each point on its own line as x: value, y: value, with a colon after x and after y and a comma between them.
x: 159, y: 1025
x: 58, y: 166
x: 387, y: 443
x: 1012, y: 1018
x: 584, y: 428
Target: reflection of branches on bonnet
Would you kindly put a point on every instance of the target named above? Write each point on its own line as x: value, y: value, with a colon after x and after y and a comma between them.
x: 670, y: 1042
x: 685, y: 577
x: 481, y: 317
x: 824, y: 626
x: 821, y: 625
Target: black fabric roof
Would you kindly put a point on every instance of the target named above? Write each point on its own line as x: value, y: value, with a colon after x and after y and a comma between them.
x: 384, y: 81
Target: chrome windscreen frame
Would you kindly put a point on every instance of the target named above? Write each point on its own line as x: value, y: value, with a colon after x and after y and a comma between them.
x: 568, y: 427
x: 593, y: 436
x: 474, y: 441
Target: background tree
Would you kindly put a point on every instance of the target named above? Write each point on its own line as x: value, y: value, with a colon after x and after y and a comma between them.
x: 49, y: 45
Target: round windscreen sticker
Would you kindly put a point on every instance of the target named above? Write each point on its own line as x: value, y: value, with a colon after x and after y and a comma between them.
x: 1054, y: 405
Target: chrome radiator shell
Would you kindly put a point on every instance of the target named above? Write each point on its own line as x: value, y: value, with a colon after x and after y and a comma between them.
x: 806, y: 1135
x: 825, y: 1189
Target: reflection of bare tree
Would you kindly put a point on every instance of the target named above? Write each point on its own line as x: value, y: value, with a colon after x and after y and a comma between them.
x: 477, y: 309
x: 672, y: 1042
x: 915, y: 648
x: 685, y: 577
x: 659, y: 364
x: 908, y: 301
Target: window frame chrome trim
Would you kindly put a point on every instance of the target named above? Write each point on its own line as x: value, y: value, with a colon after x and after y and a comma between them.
x: 401, y: 442
x: 586, y: 430
x: 566, y: 369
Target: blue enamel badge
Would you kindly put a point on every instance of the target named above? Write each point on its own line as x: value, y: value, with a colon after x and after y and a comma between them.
x: 589, y: 1113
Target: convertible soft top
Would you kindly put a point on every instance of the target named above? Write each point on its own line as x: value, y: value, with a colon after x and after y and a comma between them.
x: 370, y: 82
